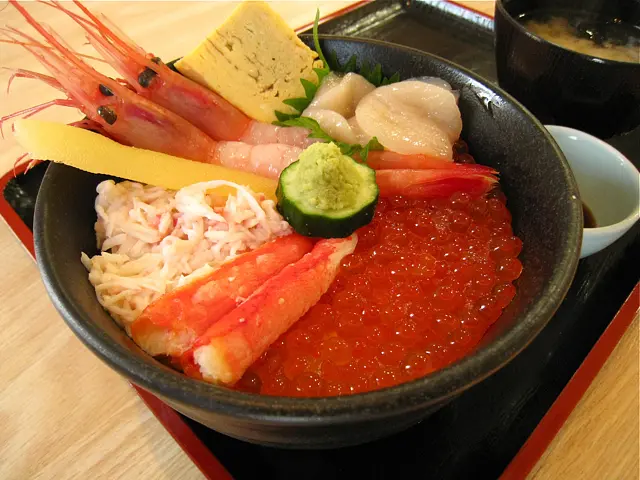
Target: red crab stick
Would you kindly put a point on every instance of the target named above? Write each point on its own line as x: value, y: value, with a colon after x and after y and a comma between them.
x: 475, y: 180
x: 232, y: 344
x: 171, y: 324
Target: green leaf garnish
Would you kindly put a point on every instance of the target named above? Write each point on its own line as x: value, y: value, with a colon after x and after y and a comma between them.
x: 282, y: 117
x: 321, y: 72
x: 298, y: 103
x: 376, y: 75
x: 373, y: 144
x: 310, y: 88
x: 365, y: 71
x: 310, y: 124
x: 373, y: 75
x: 333, y: 60
x: 316, y: 132
x: 393, y: 79
x: 351, y: 64
x: 316, y: 39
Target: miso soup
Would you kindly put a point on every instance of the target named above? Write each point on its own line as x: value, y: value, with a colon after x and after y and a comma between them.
x: 610, y: 39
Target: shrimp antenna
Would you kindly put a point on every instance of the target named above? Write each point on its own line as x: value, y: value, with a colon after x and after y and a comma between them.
x: 29, y: 112
x: 15, y: 164
x: 105, y: 37
x: 25, y: 44
x: 21, y: 73
x: 118, y: 35
x: 62, y: 49
x: 60, y: 60
x: 35, y: 48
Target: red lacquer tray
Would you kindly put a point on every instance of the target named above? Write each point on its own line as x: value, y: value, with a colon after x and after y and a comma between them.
x: 503, y: 425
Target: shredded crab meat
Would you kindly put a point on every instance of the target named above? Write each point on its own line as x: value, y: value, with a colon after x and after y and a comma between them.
x: 153, y: 240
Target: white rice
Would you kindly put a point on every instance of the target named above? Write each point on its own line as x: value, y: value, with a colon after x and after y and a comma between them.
x: 153, y: 240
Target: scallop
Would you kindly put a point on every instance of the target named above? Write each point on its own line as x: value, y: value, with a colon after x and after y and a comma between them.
x: 334, y: 124
x: 362, y: 137
x: 335, y: 104
x: 412, y: 117
x: 439, y: 82
x: 341, y: 93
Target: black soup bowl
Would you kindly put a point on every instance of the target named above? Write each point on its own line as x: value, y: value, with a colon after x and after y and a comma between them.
x: 547, y: 216
x: 561, y: 86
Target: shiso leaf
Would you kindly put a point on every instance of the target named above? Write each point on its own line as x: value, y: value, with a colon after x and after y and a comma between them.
x: 316, y: 132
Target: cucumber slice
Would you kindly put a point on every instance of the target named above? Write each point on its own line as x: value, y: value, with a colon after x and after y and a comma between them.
x: 327, y: 194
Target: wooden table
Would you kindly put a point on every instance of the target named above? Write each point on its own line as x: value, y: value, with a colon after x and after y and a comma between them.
x: 65, y: 414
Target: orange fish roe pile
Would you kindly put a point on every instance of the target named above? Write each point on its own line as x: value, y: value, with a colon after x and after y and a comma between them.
x: 426, y: 281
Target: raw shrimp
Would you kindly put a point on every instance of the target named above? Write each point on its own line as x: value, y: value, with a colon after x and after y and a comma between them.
x: 475, y: 180
x: 382, y: 160
x: 124, y: 115
x: 132, y: 119
x: 151, y: 78
x: 267, y: 160
x: 259, y: 133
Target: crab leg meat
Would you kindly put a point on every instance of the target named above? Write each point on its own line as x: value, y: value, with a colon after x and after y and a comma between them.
x: 232, y: 344
x: 171, y: 324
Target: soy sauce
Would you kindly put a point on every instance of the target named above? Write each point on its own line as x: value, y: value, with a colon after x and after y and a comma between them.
x: 588, y: 218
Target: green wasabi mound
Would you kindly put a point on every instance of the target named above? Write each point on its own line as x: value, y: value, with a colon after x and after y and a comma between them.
x: 327, y: 194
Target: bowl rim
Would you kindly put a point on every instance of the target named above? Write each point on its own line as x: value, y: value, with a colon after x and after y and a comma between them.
x: 589, y: 58
x: 434, y: 388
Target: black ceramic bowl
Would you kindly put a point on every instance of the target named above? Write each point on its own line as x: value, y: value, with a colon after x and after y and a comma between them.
x: 547, y: 216
x: 564, y: 87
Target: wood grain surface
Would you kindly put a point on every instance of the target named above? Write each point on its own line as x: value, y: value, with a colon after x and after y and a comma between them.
x: 64, y: 414
x: 601, y: 438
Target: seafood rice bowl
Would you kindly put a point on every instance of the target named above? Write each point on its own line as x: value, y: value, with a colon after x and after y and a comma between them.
x: 328, y: 239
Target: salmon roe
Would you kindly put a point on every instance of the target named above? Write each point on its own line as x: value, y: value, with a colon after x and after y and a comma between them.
x: 426, y: 281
